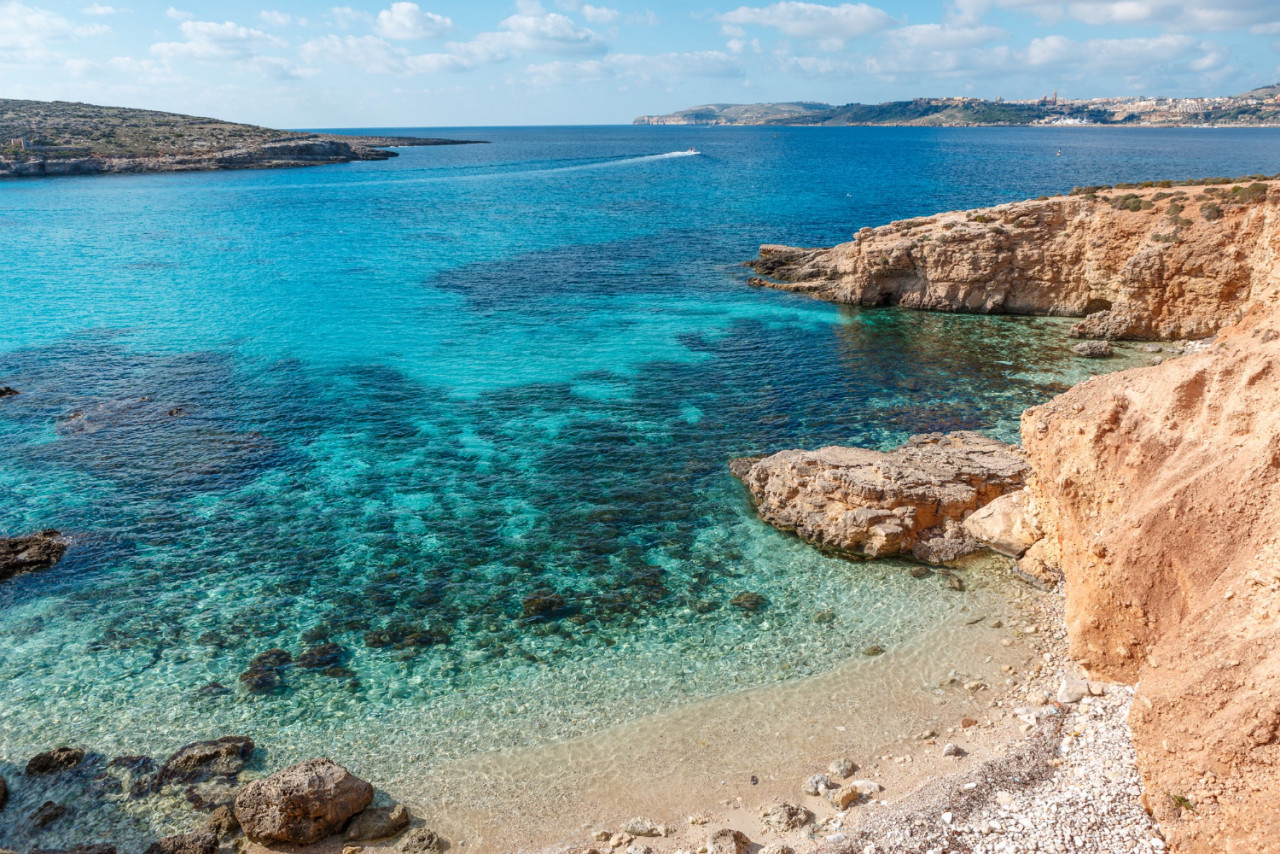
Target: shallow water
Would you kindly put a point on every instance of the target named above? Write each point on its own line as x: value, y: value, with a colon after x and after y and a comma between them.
x: 381, y: 404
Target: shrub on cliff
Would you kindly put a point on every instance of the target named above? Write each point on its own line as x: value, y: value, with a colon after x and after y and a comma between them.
x: 1211, y: 211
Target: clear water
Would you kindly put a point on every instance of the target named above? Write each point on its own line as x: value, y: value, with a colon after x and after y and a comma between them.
x: 380, y: 404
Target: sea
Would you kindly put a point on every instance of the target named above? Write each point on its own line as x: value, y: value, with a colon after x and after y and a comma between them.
x: 468, y: 414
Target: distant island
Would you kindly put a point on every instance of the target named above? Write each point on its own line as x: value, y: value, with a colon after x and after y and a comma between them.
x: 45, y: 138
x: 1259, y: 107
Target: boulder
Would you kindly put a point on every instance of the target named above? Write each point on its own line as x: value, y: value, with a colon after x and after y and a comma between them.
x: 887, y: 503
x: 785, y: 816
x: 301, y: 804
x: 378, y: 823
x: 728, y: 842
x: 52, y: 761
x: 28, y: 554
x: 1093, y: 349
x: 201, y: 761
x: 1007, y: 525
x: 222, y: 822
x: 199, y: 842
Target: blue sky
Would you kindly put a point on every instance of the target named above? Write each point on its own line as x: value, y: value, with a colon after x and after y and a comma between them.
x: 435, y: 64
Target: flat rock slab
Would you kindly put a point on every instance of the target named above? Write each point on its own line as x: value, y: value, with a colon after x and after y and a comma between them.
x: 910, y: 500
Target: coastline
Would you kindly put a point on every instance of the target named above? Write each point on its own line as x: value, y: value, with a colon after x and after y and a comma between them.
x: 307, y: 150
x: 615, y: 778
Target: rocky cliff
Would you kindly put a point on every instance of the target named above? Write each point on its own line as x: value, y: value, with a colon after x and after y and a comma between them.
x: 1136, y: 263
x: 1160, y: 491
x: 1157, y: 489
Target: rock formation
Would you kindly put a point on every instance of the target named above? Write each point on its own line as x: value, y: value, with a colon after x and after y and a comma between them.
x: 1155, y: 263
x: 1159, y: 490
x: 28, y: 554
x: 301, y: 804
x: 907, y: 501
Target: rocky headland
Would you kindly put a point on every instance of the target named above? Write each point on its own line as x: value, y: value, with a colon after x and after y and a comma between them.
x: 1138, y: 263
x: 52, y: 138
x: 1154, y: 493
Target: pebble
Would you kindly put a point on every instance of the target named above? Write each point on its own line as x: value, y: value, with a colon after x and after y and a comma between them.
x: 817, y: 784
x: 841, y: 767
x: 1071, y: 689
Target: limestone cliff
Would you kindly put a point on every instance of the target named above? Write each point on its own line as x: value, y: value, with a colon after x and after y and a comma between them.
x: 1146, y: 263
x: 1160, y: 492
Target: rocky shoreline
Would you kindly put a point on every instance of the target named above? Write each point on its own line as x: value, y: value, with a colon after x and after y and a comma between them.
x: 305, y: 150
x: 1144, y: 504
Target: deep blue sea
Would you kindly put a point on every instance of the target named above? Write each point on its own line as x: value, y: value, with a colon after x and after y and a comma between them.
x: 381, y: 404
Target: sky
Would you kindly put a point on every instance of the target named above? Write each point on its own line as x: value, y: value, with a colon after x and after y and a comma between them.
x: 293, y: 64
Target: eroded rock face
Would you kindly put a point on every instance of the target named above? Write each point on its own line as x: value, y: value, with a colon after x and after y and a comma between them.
x: 301, y: 804
x: 28, y: 554
x: 1125, y: 271
x: 907, y: 501
x: 1159, y: 489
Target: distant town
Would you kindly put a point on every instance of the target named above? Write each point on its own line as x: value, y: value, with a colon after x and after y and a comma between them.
x: 1259, y: 107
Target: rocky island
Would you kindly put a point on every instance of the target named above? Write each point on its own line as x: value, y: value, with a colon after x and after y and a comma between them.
x: 46, y: 138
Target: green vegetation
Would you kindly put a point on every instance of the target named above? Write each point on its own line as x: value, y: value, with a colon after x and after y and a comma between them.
x: 65, y: 129
x: 1211, y: 211
x: 1131, y: 202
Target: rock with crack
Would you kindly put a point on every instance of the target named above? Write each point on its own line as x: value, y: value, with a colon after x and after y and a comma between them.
x: 911, y: 500
x: 301, y: 804
x: 1007, y: 525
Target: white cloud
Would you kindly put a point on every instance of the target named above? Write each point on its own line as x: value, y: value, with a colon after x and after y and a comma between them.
x: 405, y: 21
x: 99, y: 9
x: 646, y: 18
x: 211, y: 41
x: 1174, y: 15
x: 640, y: 67
x: 530, y: 30
x: 344, y: 17
x: 935, y: 37
x: 600, y: 14
x: 178, y: 14
x: 28, y: 34
x: 273, y: 18
x: 809, y: 20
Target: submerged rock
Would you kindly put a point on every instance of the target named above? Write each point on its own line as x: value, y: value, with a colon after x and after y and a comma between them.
x: 7, y: 391
x: 263, y: 675
x: 52, y: 761
x: 378, y: 823
x: 47, y: 813
x: 749, y: 602
x: 420, y: 840
x: 880, y: 504
x: 1093, y: 349
x: 542, y: 603
x: 199, y: 842
x: 324, y: 655
x: 301, y: 804
x: 4, y: 793
x: 99, y: 848
x: 200, y: 761
x: 29, y: 554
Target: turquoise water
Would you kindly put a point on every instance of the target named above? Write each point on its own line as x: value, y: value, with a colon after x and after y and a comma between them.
x: 381, y: 404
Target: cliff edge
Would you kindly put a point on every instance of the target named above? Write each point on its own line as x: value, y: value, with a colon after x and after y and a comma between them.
x: 1134, y: 263
x: 1157, y: 489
